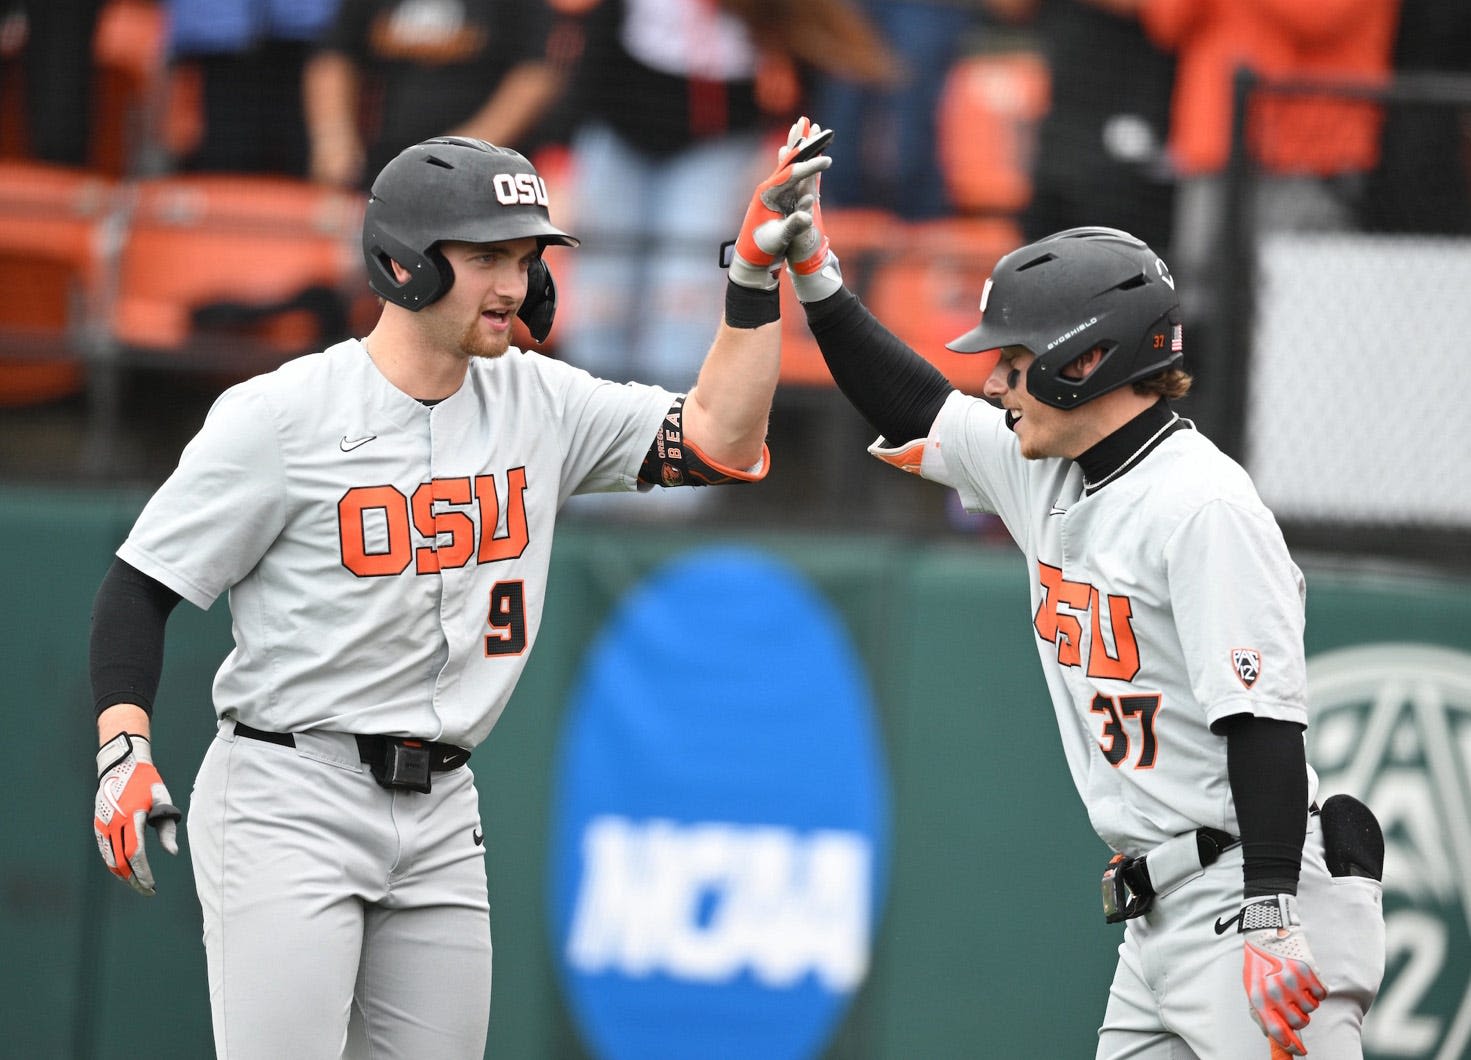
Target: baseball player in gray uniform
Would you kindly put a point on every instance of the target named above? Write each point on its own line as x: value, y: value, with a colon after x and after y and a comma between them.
x: 381, y: 515
x: 1168, y: 617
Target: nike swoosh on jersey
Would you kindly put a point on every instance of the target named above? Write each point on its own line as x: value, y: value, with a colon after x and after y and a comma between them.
x: 479, y: 838
x: 1057, y: 511
x: 1223, y: 926
x: 349, y: 446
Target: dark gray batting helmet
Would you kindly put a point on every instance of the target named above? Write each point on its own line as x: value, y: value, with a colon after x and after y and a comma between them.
x: 1071, y: 291
x: 462, y: 189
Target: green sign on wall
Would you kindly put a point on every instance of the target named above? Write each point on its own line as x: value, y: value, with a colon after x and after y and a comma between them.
x: 990, y: 842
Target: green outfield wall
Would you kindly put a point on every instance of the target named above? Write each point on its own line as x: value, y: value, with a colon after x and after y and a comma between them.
x: 990, y: 941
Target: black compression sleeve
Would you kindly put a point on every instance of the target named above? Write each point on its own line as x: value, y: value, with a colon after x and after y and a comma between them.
x: 1268, y: 770
x: 126, y: 655
x: 895, y: 389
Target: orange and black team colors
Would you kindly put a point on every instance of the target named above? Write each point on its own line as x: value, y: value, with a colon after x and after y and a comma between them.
x: 414, y: 546
x: 381, y: 515
x: 1168, y: 620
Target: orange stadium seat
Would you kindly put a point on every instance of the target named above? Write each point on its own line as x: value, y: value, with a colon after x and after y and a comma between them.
x: 988, y: 116
x: 234, y: 266
x: 54, y: 228
x: 930, y: 294
x: 130, y: 69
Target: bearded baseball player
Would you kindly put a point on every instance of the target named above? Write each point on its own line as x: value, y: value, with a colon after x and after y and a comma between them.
x: 1168, y: 616
x: 381, y: 515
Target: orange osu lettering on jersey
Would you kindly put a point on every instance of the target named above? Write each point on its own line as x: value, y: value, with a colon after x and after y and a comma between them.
x: 433, y: 523
x: 440, y: 512
x: 1059, y: 622
x: 352, y: 512
x: 1123, y: 662
x: 493, y: 548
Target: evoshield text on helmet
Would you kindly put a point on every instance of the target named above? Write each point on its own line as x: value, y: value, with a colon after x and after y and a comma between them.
x: 461, y: 189
x: 1071, y: 291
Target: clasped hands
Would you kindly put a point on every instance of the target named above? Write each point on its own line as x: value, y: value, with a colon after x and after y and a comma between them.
x: 783, y: 223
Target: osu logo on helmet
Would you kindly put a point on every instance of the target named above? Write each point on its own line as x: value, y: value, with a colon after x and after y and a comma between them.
x: 520, y: 189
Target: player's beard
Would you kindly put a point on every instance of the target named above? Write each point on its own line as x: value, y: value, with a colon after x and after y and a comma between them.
x: 476, y: 343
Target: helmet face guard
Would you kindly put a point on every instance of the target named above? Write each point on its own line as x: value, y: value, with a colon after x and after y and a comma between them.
x: 460, y: 189
x: 1071, y: 292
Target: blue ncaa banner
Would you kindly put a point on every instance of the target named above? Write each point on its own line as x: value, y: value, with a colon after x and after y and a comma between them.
x: 720, y: 819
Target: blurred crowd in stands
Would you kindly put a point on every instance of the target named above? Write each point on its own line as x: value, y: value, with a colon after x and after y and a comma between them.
x: 965, y: 127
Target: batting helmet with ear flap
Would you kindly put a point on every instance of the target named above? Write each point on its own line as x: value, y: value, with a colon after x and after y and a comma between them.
x: 461, y: 189
x: 1071, y: 291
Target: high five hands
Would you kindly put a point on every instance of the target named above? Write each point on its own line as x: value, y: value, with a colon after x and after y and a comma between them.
x: 782, y: 208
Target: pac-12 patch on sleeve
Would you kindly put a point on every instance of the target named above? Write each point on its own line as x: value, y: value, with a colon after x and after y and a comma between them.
x: 1247, y: 662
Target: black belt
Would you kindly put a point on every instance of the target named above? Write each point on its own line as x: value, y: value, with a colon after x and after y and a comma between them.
x: 373, y: 749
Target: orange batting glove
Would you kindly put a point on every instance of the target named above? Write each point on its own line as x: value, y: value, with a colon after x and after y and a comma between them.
x: 1279, y: 973
x: 809, y: 248
x: 816, y: 273
x: 773, y: 217
x: 130, y: 795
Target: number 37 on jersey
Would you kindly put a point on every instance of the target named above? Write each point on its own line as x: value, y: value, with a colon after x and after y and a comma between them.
x: 1064, y: 607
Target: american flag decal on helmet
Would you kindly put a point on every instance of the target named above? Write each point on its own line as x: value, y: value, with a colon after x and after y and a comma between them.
x: 1247, y: 662
x: 1177, y: 340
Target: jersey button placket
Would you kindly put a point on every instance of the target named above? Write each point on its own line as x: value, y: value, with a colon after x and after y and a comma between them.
x: 449, y: 582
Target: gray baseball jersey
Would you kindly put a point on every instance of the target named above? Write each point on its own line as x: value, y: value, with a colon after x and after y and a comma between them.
x: 1164, y: 599
x: 386, y: 561
x: 1162, y: 602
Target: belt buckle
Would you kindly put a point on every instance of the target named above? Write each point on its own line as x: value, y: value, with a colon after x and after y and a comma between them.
x: 1120, y: 901
x: 403, y: 764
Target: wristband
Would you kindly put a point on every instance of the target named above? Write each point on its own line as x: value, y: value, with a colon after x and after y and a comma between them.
x: 750, y: 307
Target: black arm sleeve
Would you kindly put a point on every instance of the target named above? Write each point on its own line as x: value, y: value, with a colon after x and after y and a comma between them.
x: 894, y: 388
x: 128, y: 618
x: 1268, y: 770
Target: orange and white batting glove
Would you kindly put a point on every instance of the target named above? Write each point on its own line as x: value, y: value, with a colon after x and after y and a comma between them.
x: 816, y: 273
x: 774, y: 213
x: 130, y: 795
x: 1279, y: 973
